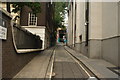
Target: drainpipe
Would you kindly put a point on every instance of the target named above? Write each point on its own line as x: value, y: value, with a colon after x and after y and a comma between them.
x: 87, y: 23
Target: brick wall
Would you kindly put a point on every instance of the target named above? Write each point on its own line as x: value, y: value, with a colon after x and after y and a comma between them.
x: 41, y: 19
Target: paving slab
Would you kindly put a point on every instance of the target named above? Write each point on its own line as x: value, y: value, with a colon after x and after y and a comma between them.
x: 37, y: 67
x: 98, y: 66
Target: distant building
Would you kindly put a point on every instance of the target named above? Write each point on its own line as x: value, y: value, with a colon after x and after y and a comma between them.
x: 61, y: 35
x: 41, y: 24
x: 94, y: 29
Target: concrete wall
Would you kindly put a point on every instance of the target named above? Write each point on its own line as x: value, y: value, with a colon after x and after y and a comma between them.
x: 24, y: 38
x: 110, y: 19
x: 110, y: 50
x: 80, y: 27
x: 12, y: 62
x: 42, y: 32
x: 110, y: 32
x: 104, y: 30
x: 38, y: 30
x: 80, y: 22
x: 95, y: 20
x: 119, y: 32
x: 0, y: 59
x: 70, y: 32
x: 119, y: 50
x: 95, y: 29
x: 95, y: 49
x: 73, y: 23
x: 0, y: 50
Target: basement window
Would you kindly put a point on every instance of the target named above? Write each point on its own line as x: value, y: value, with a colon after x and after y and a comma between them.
x: 32, y: 19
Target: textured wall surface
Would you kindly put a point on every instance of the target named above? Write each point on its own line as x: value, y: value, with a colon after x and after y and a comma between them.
x: 24, y: 38
x: 41, y: 19
x: 109, y: 19
x: 12, y: 62
x: 80, y: 47
x: 110, y: 50
x: 0, y: 59
x: 119, y: 51
x: 107, y: 49
x: 95, y: 49
x: 80, y: 22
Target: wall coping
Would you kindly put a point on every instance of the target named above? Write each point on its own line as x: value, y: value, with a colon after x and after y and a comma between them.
x: 6, y: 12
x: 27, y: 50
x: 41, y: 27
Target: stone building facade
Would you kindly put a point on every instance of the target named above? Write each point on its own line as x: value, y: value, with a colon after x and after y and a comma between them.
x: 94, y: 29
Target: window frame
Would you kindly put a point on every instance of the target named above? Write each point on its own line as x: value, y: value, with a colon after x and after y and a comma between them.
x: 29, y: 19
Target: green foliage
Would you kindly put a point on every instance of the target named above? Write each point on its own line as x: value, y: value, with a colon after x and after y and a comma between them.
x: 60, y: 11
x: 35, y: 6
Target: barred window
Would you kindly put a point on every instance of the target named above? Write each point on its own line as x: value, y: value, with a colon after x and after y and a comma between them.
x: 32, y: 19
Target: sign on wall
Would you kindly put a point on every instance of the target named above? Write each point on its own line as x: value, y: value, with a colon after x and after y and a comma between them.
x: 3, y: 29
x: 3, y: 33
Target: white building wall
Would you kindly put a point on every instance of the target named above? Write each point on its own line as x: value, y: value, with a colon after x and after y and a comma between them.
x: 104, y: 29
x: 80, y: 22
x: 73, y: 23
x: 110, y: 43
x: 78, y: 32
x: 119, y: 32
x: 95, y: 20
x: 110, y: 19
x: 95, y: 29
x: 70, y: 35
x: 119, y: 18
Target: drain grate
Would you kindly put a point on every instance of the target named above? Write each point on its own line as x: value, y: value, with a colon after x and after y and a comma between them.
x: 115, y: 70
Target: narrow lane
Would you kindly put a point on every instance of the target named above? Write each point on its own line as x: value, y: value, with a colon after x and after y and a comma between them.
x: 56, y: 63
x: 65, y: 67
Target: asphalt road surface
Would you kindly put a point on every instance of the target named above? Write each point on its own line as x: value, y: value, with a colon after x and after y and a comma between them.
x: 65, y: 67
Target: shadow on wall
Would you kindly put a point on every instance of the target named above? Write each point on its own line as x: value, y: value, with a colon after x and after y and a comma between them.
x: 12, y: 62
x: 25, y: 39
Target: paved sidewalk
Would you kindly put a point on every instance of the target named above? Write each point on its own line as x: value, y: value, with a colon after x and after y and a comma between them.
x: 37, y: 67
x: 97, y: 66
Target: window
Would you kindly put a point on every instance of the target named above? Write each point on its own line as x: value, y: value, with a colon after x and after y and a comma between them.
x: 32, y: 19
